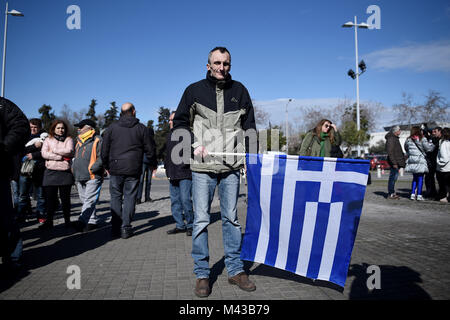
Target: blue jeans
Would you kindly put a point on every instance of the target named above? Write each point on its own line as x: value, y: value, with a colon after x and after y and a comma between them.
x: 203, y: 186
x: 89, y: 193
x: 10, y: 237
x: 181, y: 203
x: 393, y: 176
x: 25, y: 184
x: 146, y: 172
x: 15, y: 193
x: 123, y: 191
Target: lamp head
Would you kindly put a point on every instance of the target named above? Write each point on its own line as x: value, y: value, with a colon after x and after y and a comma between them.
x: 362, y: 66
x: 351, y: 73
x: 15, y: 13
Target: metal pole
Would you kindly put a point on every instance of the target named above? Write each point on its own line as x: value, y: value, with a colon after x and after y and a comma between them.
x: 287, y: 127
x: 358, y: 126
x: 4, y: 51
x: 287, y: 130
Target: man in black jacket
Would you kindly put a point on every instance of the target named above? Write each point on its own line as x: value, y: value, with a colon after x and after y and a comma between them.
x: 218, y: 113
x: 180, y: 179
x: 14, y: 132
x: 124, y: 144
x: 33, y: 152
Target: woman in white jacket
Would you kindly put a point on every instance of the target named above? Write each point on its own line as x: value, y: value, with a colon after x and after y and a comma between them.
x: 443, y: 165
x: 416, y: 147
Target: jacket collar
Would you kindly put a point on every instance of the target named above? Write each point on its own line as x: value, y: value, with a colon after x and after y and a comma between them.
x: 225, y: 83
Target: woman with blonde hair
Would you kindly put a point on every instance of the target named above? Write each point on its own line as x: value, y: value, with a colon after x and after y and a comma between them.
x: 416, y: 147
x: 57, y: 150
x: 321, y: 141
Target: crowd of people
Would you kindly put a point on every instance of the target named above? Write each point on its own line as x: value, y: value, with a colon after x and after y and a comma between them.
x: 427, y: 157
x: 51, y: 163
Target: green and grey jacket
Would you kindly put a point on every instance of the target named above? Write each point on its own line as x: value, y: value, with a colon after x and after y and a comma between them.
x: 311, y: 144
x: 217, y: 114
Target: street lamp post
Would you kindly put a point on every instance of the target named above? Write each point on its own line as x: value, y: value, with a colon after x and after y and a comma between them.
x: 287, y: 127
x: 16, y: 14
x: 353, y: 74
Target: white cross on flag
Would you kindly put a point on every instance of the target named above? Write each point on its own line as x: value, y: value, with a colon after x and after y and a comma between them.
x: 303, y: 213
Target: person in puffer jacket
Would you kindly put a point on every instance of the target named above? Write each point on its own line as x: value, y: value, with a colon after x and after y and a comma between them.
x: 416, y: 147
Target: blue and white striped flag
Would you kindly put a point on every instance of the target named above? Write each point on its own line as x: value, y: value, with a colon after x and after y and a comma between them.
x: 303, y: 213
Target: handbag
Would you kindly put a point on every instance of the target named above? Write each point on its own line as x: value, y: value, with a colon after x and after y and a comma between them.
x: 27, y: 167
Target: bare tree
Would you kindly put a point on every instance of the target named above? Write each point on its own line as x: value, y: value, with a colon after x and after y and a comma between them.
x: 435, y: 108
x: 406, y: 112
x: 261, y: 116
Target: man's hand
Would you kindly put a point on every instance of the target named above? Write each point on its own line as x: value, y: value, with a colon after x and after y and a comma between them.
x: 29, y: 156
x: 201, y: 150
x: 38, y: 144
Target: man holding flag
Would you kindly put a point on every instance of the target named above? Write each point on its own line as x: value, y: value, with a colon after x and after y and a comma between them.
x: 216, y: 111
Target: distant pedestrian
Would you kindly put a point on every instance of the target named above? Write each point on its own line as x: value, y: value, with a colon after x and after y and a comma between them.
x: 180, y: 179
x: 430, y: 182
x: 396, y: 159
x: 88, y: 172
x: 416, y: 146
x: 145, y: 181
x: 124, y: 143
x: 14, y: 133
x: 443, y: 166
x: 322, y: 141
x: 57, y: 150
x: 33, y: 180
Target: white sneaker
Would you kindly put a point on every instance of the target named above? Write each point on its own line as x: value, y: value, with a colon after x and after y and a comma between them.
x: 443, y: 200
x: 413, y: 197
x: 420, y: 198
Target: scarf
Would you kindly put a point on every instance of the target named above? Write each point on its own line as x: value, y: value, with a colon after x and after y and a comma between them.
x: 60, y: 138
x: 87, y: 135
x: 323, y: 136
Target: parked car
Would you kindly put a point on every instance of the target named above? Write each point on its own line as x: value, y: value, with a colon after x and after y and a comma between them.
x: 380, y: 160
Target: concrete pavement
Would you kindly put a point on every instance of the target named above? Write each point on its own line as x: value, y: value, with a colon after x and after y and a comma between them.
x: 408, y: 241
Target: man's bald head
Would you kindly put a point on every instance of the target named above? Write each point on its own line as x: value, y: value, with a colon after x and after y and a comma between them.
x: 128, y: 109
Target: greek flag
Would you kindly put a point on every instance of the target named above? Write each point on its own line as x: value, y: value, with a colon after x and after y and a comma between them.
x: 303, y: 213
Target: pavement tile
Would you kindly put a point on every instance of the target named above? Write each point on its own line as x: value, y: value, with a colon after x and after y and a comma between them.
x: 409, y: 241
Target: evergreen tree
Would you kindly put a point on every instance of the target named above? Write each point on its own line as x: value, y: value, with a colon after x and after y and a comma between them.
x: 162, y: 129
x: 111, y: 115
x: 91, y: 112
x: 47, y: 117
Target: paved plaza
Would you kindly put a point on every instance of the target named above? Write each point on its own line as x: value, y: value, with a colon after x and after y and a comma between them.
x: 408, y: 241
